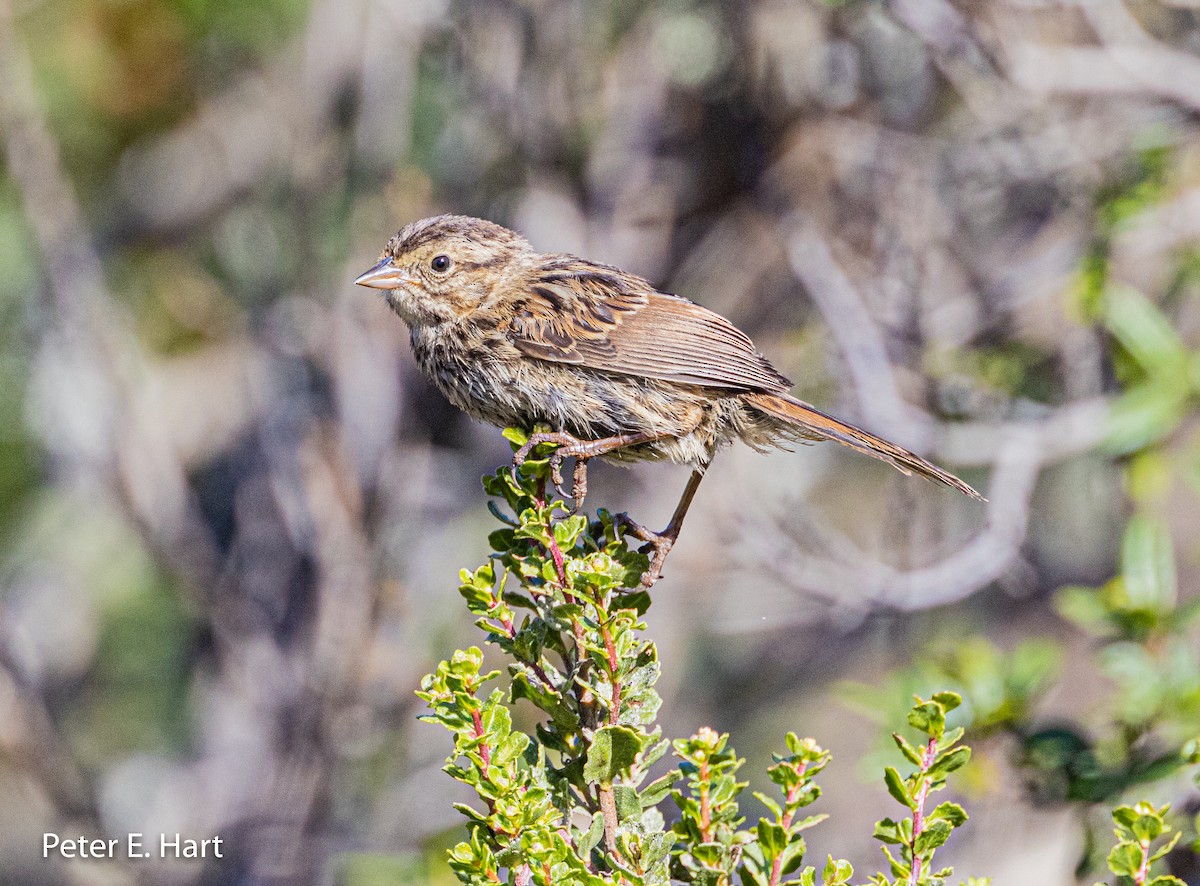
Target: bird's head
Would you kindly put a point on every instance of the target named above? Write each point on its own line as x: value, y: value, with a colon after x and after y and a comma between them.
x: 444, y: 268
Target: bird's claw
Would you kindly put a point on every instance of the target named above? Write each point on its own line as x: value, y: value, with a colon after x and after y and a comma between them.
x: 568, y: 448
x: 556, y: 477
x: 658, y: 544
x: 519, y: 457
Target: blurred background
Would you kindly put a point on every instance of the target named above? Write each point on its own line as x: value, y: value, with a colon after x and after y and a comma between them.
x: 233, y: 512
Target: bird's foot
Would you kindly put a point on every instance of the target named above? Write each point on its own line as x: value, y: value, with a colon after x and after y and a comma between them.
x: 660, y: 543
x: 568, y: 447
x: 581, y: 450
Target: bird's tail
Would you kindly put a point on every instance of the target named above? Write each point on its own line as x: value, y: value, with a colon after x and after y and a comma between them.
x: 814, y: 424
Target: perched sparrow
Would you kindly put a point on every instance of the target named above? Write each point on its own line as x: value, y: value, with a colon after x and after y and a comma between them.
x: 515, y: 337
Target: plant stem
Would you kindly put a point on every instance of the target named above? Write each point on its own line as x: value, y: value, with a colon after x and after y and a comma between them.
x: 918, y: 816
x: 608, y: 800
x: 1143, y: 871
x: 587, y: 718
x: 555, y: 554
x: 485, y: 752
x: 786, y: 821
x: 608, y: 809
x: 705, y: 807
x: 614, y: 706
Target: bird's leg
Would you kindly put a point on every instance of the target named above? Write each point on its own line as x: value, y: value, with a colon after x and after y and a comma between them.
x: 581, y: 450
x: 662, y: 542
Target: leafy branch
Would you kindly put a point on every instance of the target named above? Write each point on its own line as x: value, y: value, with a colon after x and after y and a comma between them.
x: 1138, y: 828
x: 573, y: 802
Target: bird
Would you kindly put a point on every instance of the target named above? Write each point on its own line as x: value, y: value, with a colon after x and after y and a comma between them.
x: 615, y: 368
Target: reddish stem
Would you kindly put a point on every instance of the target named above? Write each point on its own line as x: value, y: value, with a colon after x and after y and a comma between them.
x: 614, y: 705
x: 555, y: 554
x: 705, y: 808
x: 1143, y: 870
x: 786, y: 821
x: 918, y: 816
x: 485, y: 755
x: 485, y: 751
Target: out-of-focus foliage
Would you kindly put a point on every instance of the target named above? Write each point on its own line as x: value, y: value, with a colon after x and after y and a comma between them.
x: 231, y: 508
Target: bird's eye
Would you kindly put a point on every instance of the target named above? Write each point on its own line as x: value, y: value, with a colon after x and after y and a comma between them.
x: 441, y: 263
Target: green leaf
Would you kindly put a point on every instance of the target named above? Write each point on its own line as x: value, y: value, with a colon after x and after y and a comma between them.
x: 658, y: 790
x: 501, y: 540
x: 771, y: 804
x: 566, y: 532
x: 949, y: 812
x: 1125, y: 815
x: 510, y: 748
x: 897, y: 866
x: 808, y: 822
x: 494, y: 509
x: 928, y: 717
x: 655, y: 848
x: 887, y: 831
x: 515, y: 435
x: 948, y: 700
x: 949, y: 762
x: 751, y: 872
x: 639, y: 601
x: 895, y: 786
x: 654, y: 752
x: 1147, y: 827
x: 935, y: 835
x: 793, y: 856
x: 909, y: 752
x: 629, y: 805
x: 1190, y: 752
x: 951, y: 738
x: 837, y: 872
x: 613, y: 752
x: 590, y: 839
x: 772, y: 838
x: 1125, y: 859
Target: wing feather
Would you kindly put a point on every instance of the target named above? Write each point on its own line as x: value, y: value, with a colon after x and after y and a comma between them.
x: 599, y: 317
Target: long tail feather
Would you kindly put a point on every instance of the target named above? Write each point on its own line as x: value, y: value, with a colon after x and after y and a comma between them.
x: 811, y: 420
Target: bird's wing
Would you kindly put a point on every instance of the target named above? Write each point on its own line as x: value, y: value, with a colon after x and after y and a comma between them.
x: 601, y: 318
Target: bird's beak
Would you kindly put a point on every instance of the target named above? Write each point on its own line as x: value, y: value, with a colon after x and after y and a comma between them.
x: 385, y: 275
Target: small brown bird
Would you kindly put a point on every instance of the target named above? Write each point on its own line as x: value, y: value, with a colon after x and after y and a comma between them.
x: 515, y: 337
